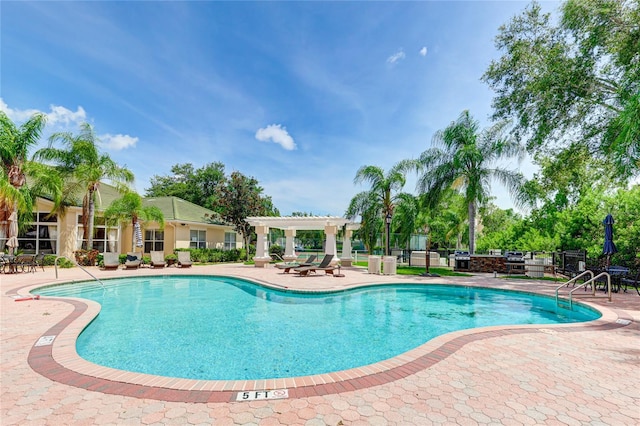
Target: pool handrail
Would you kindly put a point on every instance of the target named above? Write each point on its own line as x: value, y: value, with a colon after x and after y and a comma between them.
x: 79, y: 266
x: 591, y: 281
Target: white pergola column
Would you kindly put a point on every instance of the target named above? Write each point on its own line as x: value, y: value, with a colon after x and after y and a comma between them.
x: 346, y: 259
x: 330, y: 241
x: 262, y: 250
x: 289, y: 245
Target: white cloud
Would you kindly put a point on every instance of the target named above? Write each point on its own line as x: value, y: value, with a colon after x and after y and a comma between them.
x: 393, y: 59
x: 59, y: 116
x: 423, y: 51
x: 117, y: 142
x: 276, y: 134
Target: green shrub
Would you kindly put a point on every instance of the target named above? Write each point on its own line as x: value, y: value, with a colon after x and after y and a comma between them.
x: 63, y: 262
x: 277, y: 250
x: 50, y: 260
x: 214, y: 255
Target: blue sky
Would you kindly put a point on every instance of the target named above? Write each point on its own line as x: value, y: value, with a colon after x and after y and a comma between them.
x: 298, y: 95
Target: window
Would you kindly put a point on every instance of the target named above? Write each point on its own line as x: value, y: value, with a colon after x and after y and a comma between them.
x: 198, y: 239
x: 104, y: 239
x: 153, y: 240
x: 229, y: 240
x: 41, y: 235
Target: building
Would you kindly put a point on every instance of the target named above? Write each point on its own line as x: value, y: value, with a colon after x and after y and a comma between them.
x: 187, y: 225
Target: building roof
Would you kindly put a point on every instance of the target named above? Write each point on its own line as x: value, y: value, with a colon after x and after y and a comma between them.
x: 177, y: 209
x: 172, y: 208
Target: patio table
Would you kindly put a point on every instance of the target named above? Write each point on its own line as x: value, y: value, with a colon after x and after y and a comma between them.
x: 617, y: 273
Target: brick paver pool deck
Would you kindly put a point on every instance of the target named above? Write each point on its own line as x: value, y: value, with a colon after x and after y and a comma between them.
x: 554, y: 374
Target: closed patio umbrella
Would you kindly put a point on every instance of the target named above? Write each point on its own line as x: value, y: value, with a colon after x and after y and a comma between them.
x: 137, y: 235
x: 12, y: 242
x: 609, y: 246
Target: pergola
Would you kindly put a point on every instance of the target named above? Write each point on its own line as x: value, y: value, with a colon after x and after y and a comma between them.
x: 291, y: 224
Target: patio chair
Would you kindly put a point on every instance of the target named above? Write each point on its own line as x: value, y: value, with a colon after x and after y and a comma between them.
x: 292, y: 265
x: 110, y: 260
x: 133, y: 261
x: 184, y: 259
x: 157, y: 259
x: 325, y: 266
x: 632, y: 280
x: 25, y: 262
x: 38, y: 260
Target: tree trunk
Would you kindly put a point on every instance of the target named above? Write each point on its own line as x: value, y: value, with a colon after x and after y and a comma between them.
x: 472, y: 227
x: 92, y: 209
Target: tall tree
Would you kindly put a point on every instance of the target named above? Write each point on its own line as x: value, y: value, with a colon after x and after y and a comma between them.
x: 129, y: 209
x: 80, y: 161
x: 239, y: 198
x: 574, y: 81
x: 463, y: 158
x: 198, y: 186
x: 15, y: 195
x: 383, y: 193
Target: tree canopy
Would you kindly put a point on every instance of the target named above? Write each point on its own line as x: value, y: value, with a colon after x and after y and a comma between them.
x: 239, y: 198
x: 576, y: 81
x: 198, y: 186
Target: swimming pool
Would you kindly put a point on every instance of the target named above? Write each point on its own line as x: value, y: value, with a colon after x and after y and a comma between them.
x: 221, y: 328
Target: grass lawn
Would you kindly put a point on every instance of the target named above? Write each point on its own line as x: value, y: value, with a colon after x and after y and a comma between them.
x: 419, y: 270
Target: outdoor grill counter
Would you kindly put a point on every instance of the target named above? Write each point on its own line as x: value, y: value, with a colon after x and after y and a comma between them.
x: 510, y: 262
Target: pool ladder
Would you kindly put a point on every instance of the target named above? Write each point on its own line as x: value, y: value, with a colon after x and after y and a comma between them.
x: 591, y: 281
x: 79, y: 266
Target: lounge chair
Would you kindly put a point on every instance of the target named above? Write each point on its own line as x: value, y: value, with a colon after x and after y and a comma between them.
x: 110, y: 260
x: 157, y: 259
x: 133, y: 260
x: 292, y: 265
x: 184, y: 259
x: 325, y: 266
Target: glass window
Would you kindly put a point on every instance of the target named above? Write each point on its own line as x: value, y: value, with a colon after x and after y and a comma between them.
x: 40, y: 236
x: 104, y: 238
x: 198, y: 239
x: 229, y: 240
x: 153, y: 240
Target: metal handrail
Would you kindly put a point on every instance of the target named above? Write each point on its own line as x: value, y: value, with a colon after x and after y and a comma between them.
x: 589, y: 281
x: 79, y: 266
x: 592, y: 280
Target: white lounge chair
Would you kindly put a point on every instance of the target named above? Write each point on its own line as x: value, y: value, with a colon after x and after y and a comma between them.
x: 133, y: 261
x: 110, y: 260
x: 157, y: 259
x: 184, y: 259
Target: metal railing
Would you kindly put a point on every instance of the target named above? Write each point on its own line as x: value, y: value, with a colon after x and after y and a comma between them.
x: 591, y: 281
x: 79, y: 266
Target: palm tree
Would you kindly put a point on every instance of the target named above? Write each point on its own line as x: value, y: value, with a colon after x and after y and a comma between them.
x: 129, y: 209
x: 463, y: 158
x: 85, y: 167
x: 380, y: 199
x: 15, y: 196
x: 414, y: 215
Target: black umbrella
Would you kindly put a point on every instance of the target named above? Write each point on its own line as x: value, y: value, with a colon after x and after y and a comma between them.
x: 609, y: 246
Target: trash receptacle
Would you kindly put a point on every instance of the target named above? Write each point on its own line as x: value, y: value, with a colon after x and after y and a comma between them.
x: 389, y: 265
x: 374, y: 265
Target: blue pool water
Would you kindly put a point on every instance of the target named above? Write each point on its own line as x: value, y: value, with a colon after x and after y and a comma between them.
x: 220, y: 328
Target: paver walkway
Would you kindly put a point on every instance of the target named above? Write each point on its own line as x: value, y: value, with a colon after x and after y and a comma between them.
x: 575, y: 375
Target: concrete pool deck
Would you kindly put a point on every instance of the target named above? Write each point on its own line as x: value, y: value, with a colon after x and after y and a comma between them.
x: 564, y: 374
